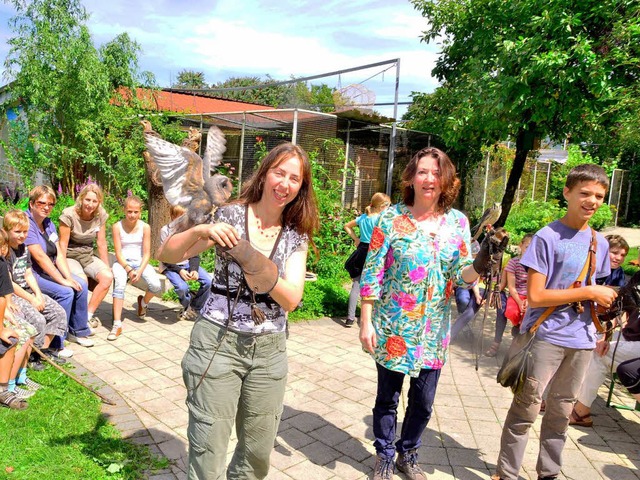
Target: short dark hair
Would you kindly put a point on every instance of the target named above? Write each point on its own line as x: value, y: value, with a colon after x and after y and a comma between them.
x: 587, y: 172
x: 449, y: 181
x: 526, y: 236
x: 616, y: 241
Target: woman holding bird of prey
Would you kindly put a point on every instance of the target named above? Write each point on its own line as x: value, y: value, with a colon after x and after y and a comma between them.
x: 235, y: 368
x: 418, y: 252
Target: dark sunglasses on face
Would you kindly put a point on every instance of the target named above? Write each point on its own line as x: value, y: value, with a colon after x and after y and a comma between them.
x: 45, y: 204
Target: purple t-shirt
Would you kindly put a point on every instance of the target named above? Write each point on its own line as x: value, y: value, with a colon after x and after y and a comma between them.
x: 36, y: 237
x: 560, y: 252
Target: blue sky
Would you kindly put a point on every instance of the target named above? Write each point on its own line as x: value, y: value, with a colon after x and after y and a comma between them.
x: 225, y: 38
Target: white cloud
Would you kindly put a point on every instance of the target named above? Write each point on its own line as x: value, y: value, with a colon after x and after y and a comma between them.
x: 254, y: 37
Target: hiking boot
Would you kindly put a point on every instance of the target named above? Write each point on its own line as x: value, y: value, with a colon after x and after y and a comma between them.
x: 383, y: 469
x: 407, y: 463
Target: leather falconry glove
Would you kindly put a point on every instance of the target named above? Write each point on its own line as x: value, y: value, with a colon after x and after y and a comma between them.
x: 260, y: 273
x: 491, y: 248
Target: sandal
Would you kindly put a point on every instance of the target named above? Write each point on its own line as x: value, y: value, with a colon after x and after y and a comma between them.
x: 10, y: 400
x: 580, y: 420
x: 493, y: 350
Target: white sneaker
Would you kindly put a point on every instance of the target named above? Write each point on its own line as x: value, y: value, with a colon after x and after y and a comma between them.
x: 84, y: 341
x: 65, y: 353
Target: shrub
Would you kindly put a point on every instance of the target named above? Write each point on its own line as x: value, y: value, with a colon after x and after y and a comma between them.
x: 529, y: 216
x: 322, y: 298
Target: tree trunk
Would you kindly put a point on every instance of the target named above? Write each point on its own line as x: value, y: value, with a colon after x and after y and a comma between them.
x: 158, y: 206
x: 524, y: 144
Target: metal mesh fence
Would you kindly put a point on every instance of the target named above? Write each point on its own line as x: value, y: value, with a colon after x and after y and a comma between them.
x: 487, y: 182
x: 354, y: 153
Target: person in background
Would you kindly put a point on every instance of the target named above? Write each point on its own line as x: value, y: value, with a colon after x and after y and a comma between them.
x: 365, y: 223
x: 40, y: 310
x: 132, y: 247
x: 602, y: 355
x: 476, y: 301
x: 180, y: 274
x: 629, y: 375
x: 52, y: 272
x: 419, y: 250
x: 8, y: 341
x: 81, y: 226
x: 19, y: 383
x: 513, y: 308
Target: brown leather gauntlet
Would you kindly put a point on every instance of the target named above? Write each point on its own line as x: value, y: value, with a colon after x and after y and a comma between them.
x: 260, y: 273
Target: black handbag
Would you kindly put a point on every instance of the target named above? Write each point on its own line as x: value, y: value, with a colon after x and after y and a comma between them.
x: 517, y: 363
x: 355, y: 262
x: 631, y: 329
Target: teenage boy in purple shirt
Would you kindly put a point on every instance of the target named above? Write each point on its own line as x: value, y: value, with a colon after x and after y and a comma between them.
x: 562, y: 346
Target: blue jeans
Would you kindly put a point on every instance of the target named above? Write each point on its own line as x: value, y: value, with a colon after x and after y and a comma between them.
x: 182, y: 288
x: 73, y: 303
x: 463, y: 297
x: 422, y: 391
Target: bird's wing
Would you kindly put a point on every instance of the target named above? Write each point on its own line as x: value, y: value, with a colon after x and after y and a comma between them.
x: 216, y: 146
x: 180, y: 169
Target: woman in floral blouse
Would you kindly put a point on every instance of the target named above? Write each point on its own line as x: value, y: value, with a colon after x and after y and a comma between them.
x: 418, y: 253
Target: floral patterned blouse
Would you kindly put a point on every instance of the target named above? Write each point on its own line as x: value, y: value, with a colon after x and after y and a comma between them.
x: 410, y: 276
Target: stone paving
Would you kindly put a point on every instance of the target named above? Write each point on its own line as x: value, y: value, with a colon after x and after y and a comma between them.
x: 326, y: 426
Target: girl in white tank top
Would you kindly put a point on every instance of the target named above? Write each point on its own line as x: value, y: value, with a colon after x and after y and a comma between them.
x: 132, y: 245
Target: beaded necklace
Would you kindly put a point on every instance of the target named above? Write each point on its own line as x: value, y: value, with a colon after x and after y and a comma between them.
x: 263, y: 230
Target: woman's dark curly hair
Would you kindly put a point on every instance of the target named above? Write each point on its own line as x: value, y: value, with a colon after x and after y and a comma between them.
x: 449, y: 182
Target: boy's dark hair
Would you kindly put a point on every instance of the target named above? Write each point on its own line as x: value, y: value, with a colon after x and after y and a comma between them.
x: 587, y: 172
x: 526, y: 236
x: 616, y: 241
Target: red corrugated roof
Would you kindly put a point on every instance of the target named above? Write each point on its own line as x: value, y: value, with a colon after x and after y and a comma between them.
x: 187, y: 103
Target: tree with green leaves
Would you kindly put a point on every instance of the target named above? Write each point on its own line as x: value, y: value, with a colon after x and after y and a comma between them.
x: 292, y: 95
x: 528, y: 69
x: 190, y: 79
x: 65, y: 87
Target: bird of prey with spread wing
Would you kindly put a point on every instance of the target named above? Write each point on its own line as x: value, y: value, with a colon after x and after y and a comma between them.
x: 489, y: 217
x: 186, y: 178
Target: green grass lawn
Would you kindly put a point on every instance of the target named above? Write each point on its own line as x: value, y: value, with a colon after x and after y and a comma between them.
x: 632, y: 255
x: 63, y: 435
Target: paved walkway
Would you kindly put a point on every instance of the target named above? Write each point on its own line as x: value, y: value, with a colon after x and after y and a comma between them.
x: 631, y: 235
x: 326, y: 428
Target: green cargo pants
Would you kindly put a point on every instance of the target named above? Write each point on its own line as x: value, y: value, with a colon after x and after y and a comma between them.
x: 245, y: 383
